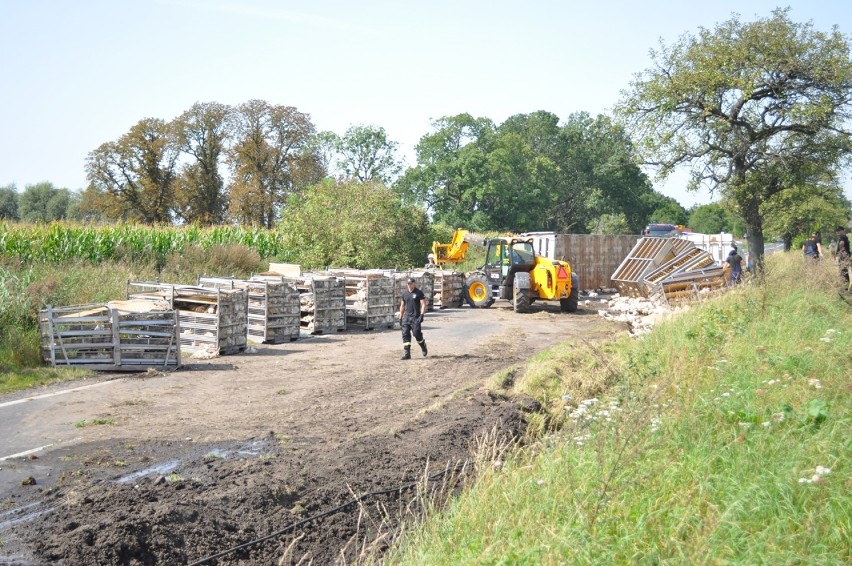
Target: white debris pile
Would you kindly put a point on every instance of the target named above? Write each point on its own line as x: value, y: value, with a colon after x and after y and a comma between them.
x: 639, y: 313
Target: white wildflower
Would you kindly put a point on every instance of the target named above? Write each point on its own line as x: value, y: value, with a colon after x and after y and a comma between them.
x: 766, y: 424
x: 497, y: 465
x: 539, y: 482
x: 815, y: 383
x: 823, y: 471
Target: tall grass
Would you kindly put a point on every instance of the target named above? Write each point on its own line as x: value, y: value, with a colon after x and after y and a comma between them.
x: 721, y: 437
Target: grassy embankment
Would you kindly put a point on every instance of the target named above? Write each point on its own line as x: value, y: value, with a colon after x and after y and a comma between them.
x: 722, y: 437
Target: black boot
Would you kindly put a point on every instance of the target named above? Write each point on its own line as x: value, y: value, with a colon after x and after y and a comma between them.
x: 406, y: 354
x: 423, y: 347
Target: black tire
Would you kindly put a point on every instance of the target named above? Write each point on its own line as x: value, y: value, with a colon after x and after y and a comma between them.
x: 477, y: 291
x: 521, y: 292
x: 573, y: 301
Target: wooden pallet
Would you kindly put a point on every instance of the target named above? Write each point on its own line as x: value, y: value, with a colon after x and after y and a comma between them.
x: 114, y: 336
x: 273, y: 306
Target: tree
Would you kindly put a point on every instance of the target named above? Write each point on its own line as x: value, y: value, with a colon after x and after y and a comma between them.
x: 529, y: 173
x: 800, y: 210
x: 265, y: 159
x: 43, y: 202
x: 133, y: 178
x: 451, y: 164
x: 609, y: 224
x: 367, y: 154
x: 323, y: 146
x: 8, y: 202
x: 715, y: 218
x: 668, y: 211
x: 202, y: 134
x: 599, y: 174
x: 371, y: 227
x: 755, y: 109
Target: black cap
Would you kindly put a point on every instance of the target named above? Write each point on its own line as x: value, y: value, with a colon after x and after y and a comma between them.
x: 411, y: 280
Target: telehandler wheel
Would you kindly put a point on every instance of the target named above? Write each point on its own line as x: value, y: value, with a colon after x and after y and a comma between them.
x: 571, y: 303
x: 477, y: 291
x: 521, y: 292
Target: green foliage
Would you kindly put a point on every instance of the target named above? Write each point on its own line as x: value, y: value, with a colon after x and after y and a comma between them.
x: 367, y: 155
x: 609, y: 224
x: 529, y: 173
x: 9, y: 203
x: 357, y: 225
x: 715, y: 218
x: 668, y: 211
x: 43, y: 202
x: 797, y: 212
x: 723, y: 433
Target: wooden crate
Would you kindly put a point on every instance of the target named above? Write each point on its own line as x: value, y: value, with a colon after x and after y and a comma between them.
x: 212, y: 321
x: 116, y: 336
x: 322, y: 299
x: 448, y: 291
x: 370, y: 297
x: 273, y: 306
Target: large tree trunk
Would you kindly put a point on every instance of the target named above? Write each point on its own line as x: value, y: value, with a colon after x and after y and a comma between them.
x: 754, y: 225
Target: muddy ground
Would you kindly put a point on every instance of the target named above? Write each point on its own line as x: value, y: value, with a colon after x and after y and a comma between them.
x: 175, y: 468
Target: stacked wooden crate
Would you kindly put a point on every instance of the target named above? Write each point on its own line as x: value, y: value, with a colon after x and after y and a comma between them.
x: 212, y: 321
x: 322, y: 301
x: 448, y: 290
x: 370, y: 299
x: 116, y: 336
x: 273, y: 307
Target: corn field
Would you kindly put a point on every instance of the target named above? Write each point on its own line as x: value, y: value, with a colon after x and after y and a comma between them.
x: 62, y: 241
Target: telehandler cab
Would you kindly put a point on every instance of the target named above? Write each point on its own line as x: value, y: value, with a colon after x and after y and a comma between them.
x: 513, y: 271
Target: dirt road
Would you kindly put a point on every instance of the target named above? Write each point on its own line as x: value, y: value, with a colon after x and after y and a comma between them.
x: 172, y: 468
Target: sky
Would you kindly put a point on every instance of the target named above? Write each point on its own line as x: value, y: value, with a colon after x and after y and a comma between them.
x: 79, y: 74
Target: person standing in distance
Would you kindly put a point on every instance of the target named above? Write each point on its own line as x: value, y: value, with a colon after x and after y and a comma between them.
x: 412, y: 307
x: 812, y: 247
x: 735, y: 260
x: 843, y: 255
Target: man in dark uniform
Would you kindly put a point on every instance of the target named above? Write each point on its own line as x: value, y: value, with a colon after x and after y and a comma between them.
x: 843, y: 255
x: 412, y: 307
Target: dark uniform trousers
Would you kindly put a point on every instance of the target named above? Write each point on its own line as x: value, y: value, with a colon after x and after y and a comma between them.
x: 411, y: 325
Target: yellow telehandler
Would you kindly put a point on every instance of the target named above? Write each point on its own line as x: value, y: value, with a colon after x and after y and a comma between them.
x: 512, y: 271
